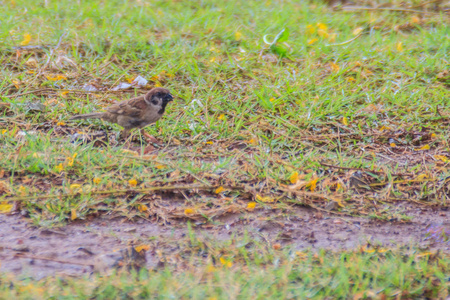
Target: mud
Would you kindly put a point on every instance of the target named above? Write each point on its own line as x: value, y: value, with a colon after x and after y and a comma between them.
x: 72, y: 250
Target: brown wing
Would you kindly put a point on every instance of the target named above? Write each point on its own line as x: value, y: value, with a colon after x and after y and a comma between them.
x: 131, y: 108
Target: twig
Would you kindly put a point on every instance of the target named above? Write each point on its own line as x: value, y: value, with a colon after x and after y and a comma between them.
x: 364, y: 170
x: 124, y: 191
x: 29, y: 92
x: 52, y: 51
x: 347, y: 42
x: 52, y: 259
x: 64, y: 90
x: 351, y: 8
x: 167, y: 164
x: 426, y: 3
x: 307, y: 194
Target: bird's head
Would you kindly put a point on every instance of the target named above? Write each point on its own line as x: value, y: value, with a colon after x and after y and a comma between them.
x: 158, y: 98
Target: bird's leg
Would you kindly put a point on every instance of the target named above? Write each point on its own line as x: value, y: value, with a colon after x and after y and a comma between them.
x: 125, y: 135
x: 150, y: 138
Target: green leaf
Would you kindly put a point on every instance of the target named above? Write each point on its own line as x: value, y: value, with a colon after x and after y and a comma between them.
x: 282, y: 36
x: 280, y: 50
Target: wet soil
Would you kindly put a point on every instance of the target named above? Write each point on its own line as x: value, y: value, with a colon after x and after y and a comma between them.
x: 74, y: 249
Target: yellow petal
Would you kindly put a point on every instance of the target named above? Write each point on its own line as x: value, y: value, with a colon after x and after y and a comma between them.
x: 310, y: 29
x: 322, y: 26
x: 442, y: 157
x: 26, y: 39
x: 142, y: 247
x: 56, y: 78
x: 132, y: 182
x: 265, y: 199
x: 22, y: 190
x: 225, y: 262
x: 219, y: 190
x: 345, y: 121
x: 400, y: 47
x: 251, y: 206
x: 424, y: 147
x: 322, y: 33
x: 142, y: 207
x: 59, y: 167
x: 73, y: 214
x: 221, y: 117
x: 421, y: 176
x: 358, y: 30
x: 5, y: 208
x: 253, y: 142
x: 96, y: 180
x: 393, y: 145
x: 312, y: 184
x: 294, y: 177
x: 415, y: 20
x: 237, y: 36
x: 75, y: 186
x: 312, y: 41
x: 189, y: 211
x: 335, y: 67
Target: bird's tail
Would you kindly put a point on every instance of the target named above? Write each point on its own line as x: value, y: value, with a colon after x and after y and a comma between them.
x: 87, y: 116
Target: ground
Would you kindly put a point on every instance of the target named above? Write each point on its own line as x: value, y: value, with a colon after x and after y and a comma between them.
x: 305, y: 138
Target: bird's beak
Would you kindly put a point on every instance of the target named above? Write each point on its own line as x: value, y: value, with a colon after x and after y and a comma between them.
x: 169, y: 98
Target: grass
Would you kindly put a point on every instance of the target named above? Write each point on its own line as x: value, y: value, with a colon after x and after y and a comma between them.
x: 279, y: 103
x: 243, y: 269
x: 248, y: 115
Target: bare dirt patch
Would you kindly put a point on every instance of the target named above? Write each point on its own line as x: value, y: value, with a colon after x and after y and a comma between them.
x: 75, y: 249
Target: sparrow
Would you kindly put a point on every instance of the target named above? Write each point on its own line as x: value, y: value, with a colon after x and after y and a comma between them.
x: 136, y: 112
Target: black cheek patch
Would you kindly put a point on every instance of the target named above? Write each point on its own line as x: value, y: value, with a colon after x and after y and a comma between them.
x: 163, y: 108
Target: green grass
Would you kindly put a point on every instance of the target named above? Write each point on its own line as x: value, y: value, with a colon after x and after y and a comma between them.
x: 266, y: 111
x: 245, y: 270
x: 268, y: 114
x: 286, y: 103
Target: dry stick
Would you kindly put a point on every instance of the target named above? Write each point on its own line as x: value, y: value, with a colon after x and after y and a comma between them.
x: 52, y: 51
x: 308, y: 194
x: 52, y: 259
x: 298, y: 193
x: 364, y: 170
x: 167, y: 164
x: 63, y: 90
x: 143, y: 190
x: 352, y: 8
x: 426, y: 3
x: 346, y: 42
